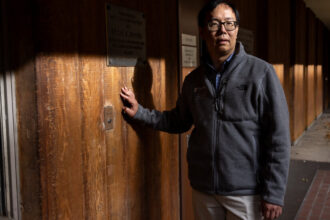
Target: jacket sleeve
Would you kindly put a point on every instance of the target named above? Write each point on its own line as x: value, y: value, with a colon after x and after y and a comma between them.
x: 177, y: 120
x: 276, y: 143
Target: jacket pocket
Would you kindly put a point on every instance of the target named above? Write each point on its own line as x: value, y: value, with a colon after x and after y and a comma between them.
x: 239, y: 101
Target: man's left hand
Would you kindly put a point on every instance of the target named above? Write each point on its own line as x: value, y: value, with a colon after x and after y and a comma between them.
x: 270, y: 211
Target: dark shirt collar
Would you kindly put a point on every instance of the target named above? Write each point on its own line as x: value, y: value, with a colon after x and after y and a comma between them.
x: 211, y: 72
x: 209, y: 63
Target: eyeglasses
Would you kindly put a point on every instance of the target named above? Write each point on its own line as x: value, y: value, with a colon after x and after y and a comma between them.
x: 216, y: 25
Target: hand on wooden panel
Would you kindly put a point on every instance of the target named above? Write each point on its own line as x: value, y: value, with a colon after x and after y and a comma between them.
x: 130, y: 104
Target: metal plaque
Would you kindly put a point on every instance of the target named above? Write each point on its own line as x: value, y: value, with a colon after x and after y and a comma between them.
x: 126, y: 37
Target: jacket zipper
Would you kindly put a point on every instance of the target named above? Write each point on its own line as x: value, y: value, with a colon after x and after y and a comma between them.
x: 215, y: 158
x: 220, y: 110
x: 215, y: 141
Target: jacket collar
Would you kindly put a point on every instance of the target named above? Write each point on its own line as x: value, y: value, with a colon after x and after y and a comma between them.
x: 237, y: 58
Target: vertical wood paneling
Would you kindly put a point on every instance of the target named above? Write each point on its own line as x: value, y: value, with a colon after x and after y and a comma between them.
x: 17, y: 57
x: 248, y: 18
x: 59, y: 111
x: 299, y: 70
x: 125, y: 164
x: 279, y: 47
x: 310, y: 80
x: 310, y: 94
x: 279, y: 40
x: 91, y: 69
x: 125, y: 155
x: 319, y: 68
x: 93, y: 140
x: 298, y: 113
x: 27, y: 141
x: 326, y: 72
x: 130, y: 172
x: 59, y: 138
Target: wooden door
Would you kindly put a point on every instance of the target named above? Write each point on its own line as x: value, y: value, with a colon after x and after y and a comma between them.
x: 88, y: 172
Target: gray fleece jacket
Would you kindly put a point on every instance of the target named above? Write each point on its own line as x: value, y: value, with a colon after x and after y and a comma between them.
x: 240, y: 144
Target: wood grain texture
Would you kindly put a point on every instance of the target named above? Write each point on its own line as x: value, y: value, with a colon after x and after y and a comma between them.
x: 130, y: 172
x: 248, y: 12
x: 59, y: 111
x: 326, y: 72
x: 279, y: 47
x: 311, y: 60
x: 299, y: 69
x: 28, y: 141
x: 319, y: 68
x: 17, y: 57
x: 60, y: 138
x: 91, y: 83
x: 299, y: 123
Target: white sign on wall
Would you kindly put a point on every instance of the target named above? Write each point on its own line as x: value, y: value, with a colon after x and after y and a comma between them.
x: 126, y: 40
x: 189, y: 40
x: 189, y: 56
x: 189, y: 50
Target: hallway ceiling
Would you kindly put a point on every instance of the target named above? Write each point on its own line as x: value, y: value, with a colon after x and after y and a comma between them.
x: 321, y: 8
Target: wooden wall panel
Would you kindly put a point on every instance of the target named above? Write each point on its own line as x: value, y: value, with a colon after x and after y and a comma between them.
x: 130, y: 172
x: 17, y: 57
x: 311, y: 54
x: 60, y: 137
x: 28, y: 141
x: 326, y: 72
x: 59, y: 112
x: 319, y: 69
x: 299, y: 71
x: 298, y: 113
x: 125, y: 164
x: 248, y: 18
x: 91, y: 68
x: 279, y: 47
x: 279, y: 33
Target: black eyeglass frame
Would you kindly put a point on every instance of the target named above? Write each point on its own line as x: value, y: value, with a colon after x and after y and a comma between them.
x: 225, y: 24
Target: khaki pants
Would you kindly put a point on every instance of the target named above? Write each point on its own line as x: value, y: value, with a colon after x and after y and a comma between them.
x: 216, y: 207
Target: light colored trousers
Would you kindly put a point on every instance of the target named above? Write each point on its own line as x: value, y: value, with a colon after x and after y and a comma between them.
x: 216, y: 207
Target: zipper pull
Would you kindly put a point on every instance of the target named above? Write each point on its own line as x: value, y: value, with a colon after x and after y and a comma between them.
x: 216, y: 102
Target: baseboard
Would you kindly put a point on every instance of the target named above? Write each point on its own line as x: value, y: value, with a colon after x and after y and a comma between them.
x: 299, y: 138
x: 307, y: 129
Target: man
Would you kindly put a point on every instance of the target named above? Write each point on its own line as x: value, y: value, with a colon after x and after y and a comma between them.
x: 238, y: 155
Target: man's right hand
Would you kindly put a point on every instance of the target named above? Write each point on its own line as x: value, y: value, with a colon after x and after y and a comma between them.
x: 270, y: 211
x: 130, y: 104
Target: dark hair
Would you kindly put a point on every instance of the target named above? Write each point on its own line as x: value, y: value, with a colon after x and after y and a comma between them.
x: 210, y: 6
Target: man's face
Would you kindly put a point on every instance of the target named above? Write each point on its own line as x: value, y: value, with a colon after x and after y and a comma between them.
x: 221, y: 42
